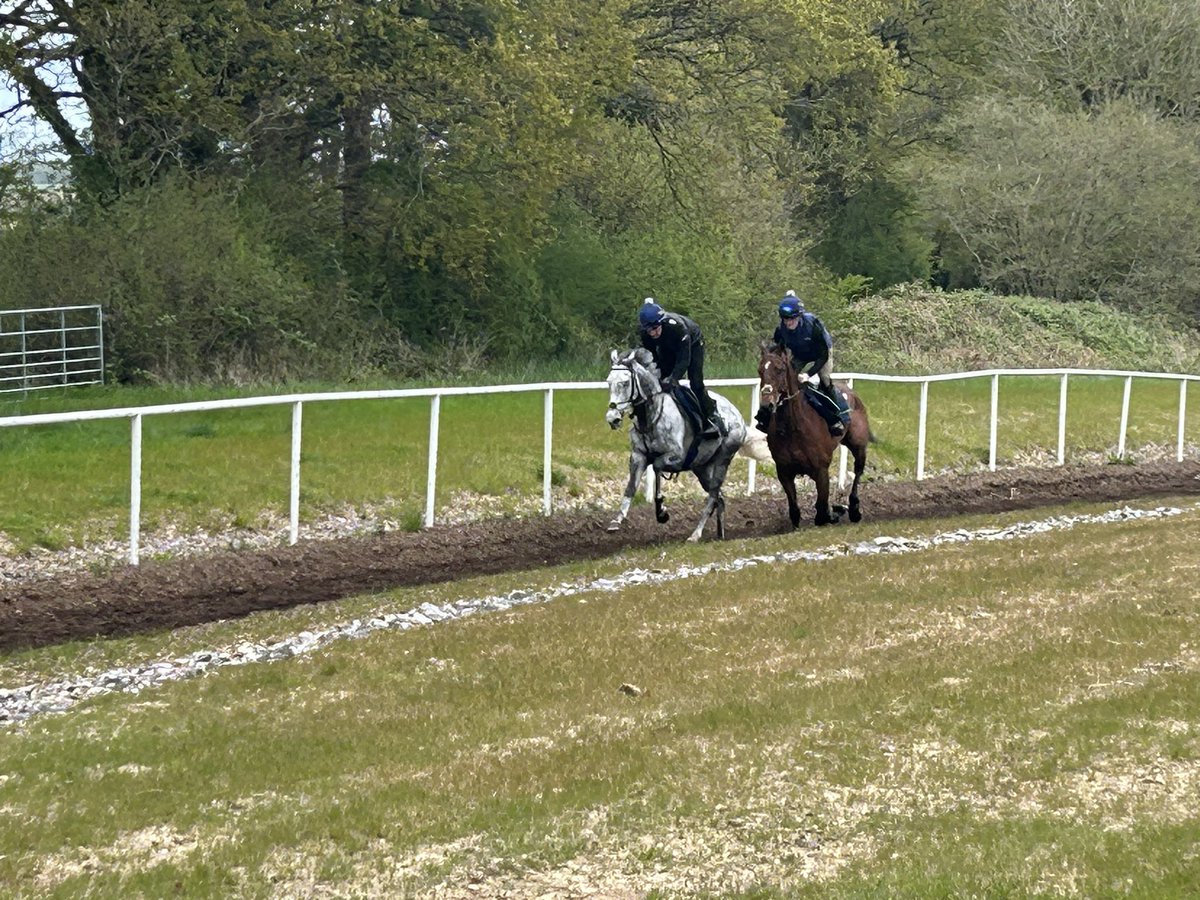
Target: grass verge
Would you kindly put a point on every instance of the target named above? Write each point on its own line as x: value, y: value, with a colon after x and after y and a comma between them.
x: 988, y: 718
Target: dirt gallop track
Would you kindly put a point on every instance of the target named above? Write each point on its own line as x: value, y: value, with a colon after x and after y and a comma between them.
x: 167, y: 594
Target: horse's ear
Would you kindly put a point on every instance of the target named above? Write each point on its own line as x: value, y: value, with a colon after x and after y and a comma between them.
x: 614, y: 357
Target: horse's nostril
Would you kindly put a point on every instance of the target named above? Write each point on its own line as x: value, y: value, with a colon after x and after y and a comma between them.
x: 612, y: 406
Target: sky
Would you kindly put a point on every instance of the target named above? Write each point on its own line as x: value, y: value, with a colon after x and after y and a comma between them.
x: 22, y: 134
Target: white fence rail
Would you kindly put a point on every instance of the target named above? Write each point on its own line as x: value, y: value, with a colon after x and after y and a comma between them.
x: 297, y: 401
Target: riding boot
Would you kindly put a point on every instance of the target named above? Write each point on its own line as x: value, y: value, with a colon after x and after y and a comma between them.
x: 838, y: 418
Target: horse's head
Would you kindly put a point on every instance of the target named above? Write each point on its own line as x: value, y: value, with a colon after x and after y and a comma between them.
x: 774, y: 373
x: 631, y: 382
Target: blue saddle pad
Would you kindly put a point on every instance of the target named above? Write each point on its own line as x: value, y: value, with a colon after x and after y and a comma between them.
x: 689, y: 405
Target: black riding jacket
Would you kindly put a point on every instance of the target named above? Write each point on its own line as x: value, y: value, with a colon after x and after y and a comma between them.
x: 673, y: 349
x: 809, y: 341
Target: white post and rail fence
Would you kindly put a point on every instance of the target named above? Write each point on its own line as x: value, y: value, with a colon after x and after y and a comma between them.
x: 435, y: 395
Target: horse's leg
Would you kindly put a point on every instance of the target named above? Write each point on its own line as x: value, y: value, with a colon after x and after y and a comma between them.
x: 787, y: 478
x: 860, y: 463
x: 660, y: 506
x: 821, y: 477
x: 705, y: 477
x: 637, y: 467
x: 720, y: 471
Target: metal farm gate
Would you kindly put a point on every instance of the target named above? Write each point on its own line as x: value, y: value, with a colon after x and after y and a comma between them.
x: 50, y: 347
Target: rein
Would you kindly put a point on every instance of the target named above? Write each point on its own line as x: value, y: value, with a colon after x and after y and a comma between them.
x: 638, y: 401
x: 791, y: 395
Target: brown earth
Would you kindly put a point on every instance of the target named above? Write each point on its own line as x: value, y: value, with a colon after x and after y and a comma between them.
x: 165, y: 594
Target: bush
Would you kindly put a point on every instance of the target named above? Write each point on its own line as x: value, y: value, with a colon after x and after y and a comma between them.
x: 189, y: 293
x: 1102, y: 206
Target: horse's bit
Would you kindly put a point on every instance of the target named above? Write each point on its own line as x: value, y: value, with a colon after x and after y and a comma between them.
x: 636, y: 397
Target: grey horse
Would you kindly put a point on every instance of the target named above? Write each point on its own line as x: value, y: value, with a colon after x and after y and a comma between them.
x: 661, y: 438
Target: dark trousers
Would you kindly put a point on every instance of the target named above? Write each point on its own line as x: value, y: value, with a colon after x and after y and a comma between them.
x: 695, y: 375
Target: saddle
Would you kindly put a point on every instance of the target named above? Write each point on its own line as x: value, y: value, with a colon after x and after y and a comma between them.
x: 689, y: 405
x: 831, y: 409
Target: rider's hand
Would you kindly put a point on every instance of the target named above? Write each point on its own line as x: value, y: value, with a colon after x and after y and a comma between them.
x: 668, y: 383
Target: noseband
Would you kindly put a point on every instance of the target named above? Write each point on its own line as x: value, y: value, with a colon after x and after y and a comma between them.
x: 770, y: 388
x: 638, y: 402
x: 635, y: 397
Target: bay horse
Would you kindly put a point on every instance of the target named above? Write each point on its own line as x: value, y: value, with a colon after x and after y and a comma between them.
x: 799, y: 437
x: 662, y: 438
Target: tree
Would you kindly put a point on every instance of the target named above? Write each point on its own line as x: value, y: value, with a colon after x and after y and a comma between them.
x: 1087, y: 53
x: 1078, y: 206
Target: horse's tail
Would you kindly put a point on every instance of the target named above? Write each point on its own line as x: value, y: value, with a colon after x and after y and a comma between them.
x: 755, y: 446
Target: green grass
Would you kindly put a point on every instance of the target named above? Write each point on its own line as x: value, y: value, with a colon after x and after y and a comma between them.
x: 993, y: 719
x: 67, y: 484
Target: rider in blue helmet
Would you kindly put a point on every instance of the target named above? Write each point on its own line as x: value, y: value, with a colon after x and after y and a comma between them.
x: 677, y: 346
x: 810, y: 342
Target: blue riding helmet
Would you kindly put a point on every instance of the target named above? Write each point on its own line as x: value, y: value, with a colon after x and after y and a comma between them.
x: 650, y: 314
x: 790, y: 306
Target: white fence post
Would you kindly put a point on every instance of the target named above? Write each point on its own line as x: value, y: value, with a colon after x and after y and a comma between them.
x: 994, y: 422
x: 1182, y: 416
x: 135, y: 488
x: 294, y: 492
x: 136, y: 415
x: 921, y: 430
x: 435, y: 410
x: 752, y: 469
x: 1124, y: 417
x: 1062, y: 420
x: 547, y: 439
x: 844, y: 454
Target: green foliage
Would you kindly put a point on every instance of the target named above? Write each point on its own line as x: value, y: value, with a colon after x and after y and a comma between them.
x: 1076, y: 206
x: 188, y: 292
x: 914, y: 329
x: 878, y: 234
x: 399, y: 189
x: 1147, y: 53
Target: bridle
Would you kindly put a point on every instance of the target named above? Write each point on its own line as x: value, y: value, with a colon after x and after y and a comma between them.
x: 638, y: 400
x: 769, y: 389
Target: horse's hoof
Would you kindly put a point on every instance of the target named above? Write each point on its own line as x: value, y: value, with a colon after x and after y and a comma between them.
x: 693, y: 539
x: 614, y: 526
x: 839, y: 509
x: 855, y: 515
x: 663, y: 517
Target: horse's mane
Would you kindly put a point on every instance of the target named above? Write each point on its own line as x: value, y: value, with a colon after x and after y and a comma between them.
x: 643, y: 358
x: 770, y: 348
